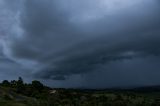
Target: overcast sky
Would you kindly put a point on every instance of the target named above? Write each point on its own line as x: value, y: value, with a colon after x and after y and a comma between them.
x: 81, y: 43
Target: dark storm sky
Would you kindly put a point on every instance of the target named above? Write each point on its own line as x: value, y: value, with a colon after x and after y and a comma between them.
x: 81, y: 43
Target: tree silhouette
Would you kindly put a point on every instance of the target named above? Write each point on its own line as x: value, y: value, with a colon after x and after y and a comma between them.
x: 6, y: 83
x: 20, y: 85
x: 37, y: 85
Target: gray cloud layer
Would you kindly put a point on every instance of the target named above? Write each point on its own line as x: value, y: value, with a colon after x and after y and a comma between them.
x: 58, y: 40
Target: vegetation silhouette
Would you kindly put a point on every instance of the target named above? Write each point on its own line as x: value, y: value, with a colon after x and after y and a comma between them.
x: 19, y: 93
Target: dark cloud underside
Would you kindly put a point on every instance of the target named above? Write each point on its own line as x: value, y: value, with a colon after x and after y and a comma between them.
x: 93, y: 40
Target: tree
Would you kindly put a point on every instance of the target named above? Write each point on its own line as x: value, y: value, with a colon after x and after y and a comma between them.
x: 6, y: 83
x: 14, y: 83
x: 20, y: 85
x: 37, y: 85
x: 20, y: 81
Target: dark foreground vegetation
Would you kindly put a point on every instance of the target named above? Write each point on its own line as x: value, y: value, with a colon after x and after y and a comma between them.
x: 18, y: 93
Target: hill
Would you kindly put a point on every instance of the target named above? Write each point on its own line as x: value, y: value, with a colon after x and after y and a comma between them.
x: 18, y: 93
x: 9, y: 97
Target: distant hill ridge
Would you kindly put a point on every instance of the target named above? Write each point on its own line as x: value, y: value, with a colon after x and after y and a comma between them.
x: 18, y: 93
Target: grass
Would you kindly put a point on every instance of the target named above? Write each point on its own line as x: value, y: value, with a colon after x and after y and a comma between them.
x: 30, y: 95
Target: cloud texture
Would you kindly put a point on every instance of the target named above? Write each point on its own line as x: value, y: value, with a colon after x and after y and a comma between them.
x: 87, y: 43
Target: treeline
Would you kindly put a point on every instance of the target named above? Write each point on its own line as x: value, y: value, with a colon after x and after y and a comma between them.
x: 33, y: 89
x: 45, y: 96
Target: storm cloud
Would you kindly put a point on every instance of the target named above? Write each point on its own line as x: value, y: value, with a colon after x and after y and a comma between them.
x: 87, y: 41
